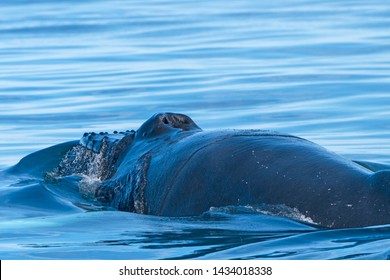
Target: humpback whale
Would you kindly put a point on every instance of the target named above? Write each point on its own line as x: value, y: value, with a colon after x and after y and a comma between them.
x: 169, y: 166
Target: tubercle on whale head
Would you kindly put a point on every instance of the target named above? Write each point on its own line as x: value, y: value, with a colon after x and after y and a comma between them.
x: 97, y: 141
x: 166, y: 123
x: 98, y: 155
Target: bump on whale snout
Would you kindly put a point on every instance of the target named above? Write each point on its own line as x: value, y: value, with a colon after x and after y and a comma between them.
x: 163, y: 123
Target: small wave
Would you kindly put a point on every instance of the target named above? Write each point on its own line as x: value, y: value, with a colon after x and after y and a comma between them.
x: 77, y: 189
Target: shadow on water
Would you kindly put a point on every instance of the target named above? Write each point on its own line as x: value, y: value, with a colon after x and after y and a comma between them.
x: 364, y: 243
x: 198, y: 242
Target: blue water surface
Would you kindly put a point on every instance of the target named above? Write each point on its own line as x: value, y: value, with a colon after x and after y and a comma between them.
x: 316, y: 69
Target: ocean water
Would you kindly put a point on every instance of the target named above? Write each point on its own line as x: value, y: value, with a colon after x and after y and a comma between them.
x: 316, y: 69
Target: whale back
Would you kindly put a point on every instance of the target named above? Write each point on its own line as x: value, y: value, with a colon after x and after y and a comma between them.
x: 380, y: 181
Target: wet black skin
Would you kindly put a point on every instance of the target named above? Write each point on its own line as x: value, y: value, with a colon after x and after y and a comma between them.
x: 171, y: 167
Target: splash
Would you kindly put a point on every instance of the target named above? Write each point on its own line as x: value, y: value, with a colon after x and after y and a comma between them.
x: 88, y: 186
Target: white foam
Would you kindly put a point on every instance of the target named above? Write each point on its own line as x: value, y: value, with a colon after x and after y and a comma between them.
x: 88, y: 186
x: 266, y: 209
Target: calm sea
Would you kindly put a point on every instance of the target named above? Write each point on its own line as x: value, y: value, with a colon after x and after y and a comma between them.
x: 316, y: 69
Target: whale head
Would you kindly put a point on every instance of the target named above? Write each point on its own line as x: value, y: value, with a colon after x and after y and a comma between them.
x: 166, y: 124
